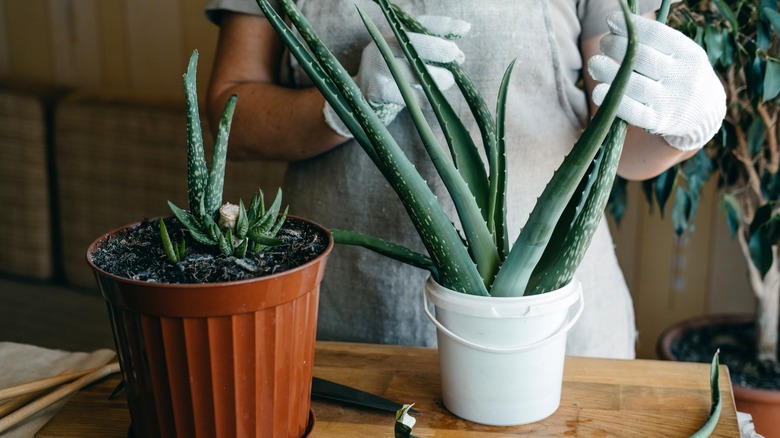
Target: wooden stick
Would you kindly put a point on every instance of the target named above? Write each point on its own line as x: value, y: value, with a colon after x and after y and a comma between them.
x: 41, y: 384
x: 19, y: 401
x: 47, y: 400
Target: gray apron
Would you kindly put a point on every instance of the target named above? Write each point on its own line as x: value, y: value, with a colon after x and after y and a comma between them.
x: 369, y: 298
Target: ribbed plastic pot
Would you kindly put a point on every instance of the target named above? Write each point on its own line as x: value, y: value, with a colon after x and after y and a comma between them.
x: 231, y: 359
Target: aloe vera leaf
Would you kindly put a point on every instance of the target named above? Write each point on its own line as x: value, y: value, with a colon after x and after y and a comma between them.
x: 479, y: 110
x: 568, y: 255
x: 196, y: 160
x: 480, y: 240
x: 168, y: 247
x: 212, y: 199
x: 463, y: 150
x: 498, y: 180
x: 457, y: 270
x: 514, y: 275
x: 385, y: 248
x: 584, y: 227
x: 716, y: 404
x: 320, y: 79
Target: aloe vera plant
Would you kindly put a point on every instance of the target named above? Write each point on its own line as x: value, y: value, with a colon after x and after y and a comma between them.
x: 234, y: 229
x: 559, y: 229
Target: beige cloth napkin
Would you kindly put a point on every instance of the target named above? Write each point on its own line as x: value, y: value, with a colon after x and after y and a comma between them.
x: 21, y: 363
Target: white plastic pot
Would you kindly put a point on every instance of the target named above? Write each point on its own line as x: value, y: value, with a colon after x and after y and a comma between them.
x: 501, y: 359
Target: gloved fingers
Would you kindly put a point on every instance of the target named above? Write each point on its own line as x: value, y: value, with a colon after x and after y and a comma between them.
x: 654, y: 34
x: 633, y: 112
x: 445, y: 27
x: 435, y: 49
x: 382, y: 88
x: 640, y: 88
x: 648, y: 62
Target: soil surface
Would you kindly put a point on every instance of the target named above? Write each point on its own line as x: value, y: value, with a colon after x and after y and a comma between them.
x: 737, y: 344
x: 137, y: 253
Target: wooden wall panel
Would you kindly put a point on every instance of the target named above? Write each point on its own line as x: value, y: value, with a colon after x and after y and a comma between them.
x: 75, y: 42
x: 5, y: 68
x: 154, y: 46
x: 29, y: 44
x: 113, y: 45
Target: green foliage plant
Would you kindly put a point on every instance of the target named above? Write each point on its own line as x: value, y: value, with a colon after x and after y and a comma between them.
x: 475, y: 259
x: 233, y: 229
x: 741, y: 38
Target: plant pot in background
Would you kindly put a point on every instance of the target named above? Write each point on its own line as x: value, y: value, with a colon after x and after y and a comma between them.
x: 230, y: 359
x: 762, y: 404
x: 501, y: 359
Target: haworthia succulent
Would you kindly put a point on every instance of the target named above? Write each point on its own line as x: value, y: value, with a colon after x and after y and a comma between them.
x: 205, y: 190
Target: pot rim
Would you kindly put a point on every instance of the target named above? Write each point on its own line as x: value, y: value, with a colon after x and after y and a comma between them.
x: 105, y: 236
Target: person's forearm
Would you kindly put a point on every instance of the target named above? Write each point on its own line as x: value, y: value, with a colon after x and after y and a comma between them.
x: 646, y: 155
x: 276, y: 123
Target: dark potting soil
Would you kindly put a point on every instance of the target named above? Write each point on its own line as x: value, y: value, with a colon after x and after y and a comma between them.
x: 737, y: 344
x: 137, y: 253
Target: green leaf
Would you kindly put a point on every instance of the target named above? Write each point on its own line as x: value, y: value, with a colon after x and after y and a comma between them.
x: 385, y: 248
x: 681, y: 211
x: 498, y: 182
x: 196, y: 161
x: 618, y: 200
x: 760, y: 245
x: 733, y: 213
x: 185, y: 217
x: 756, y: 136
x: 664, y: 184
x: 727, y: 13
x: 168, y: 247
x: 242, y: 222
x: 774, y: 18
x: 514, y: 276
x: 713, y: 42
x: 456, y: 269
x: 216, y: 182
x: 771, y: 80
x: 716, y: 402
x: 225, y: 245
x: 472, y: 219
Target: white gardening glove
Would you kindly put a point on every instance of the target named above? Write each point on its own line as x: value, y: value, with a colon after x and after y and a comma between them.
x: 376, y: 82
x: 674, y: 91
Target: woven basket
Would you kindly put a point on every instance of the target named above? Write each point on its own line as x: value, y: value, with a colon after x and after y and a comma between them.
x: 120, y: 160
x: 26, y: 247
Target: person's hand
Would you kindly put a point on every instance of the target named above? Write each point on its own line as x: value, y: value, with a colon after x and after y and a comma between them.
x: 674, y: 91
x: 376, y: 82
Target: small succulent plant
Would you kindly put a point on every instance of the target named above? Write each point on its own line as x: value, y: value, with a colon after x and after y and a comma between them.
x: 234, y: 229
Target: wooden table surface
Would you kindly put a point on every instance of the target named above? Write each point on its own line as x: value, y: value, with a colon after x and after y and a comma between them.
x: 601, y: 398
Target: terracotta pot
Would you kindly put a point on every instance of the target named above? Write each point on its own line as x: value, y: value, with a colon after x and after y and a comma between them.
x: 231, y: 359
x: 763, y: 405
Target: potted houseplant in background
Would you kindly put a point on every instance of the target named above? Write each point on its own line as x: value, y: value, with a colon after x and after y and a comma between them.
x: 478, y: 285
x: 741, y: 39
x: 214, y: 310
